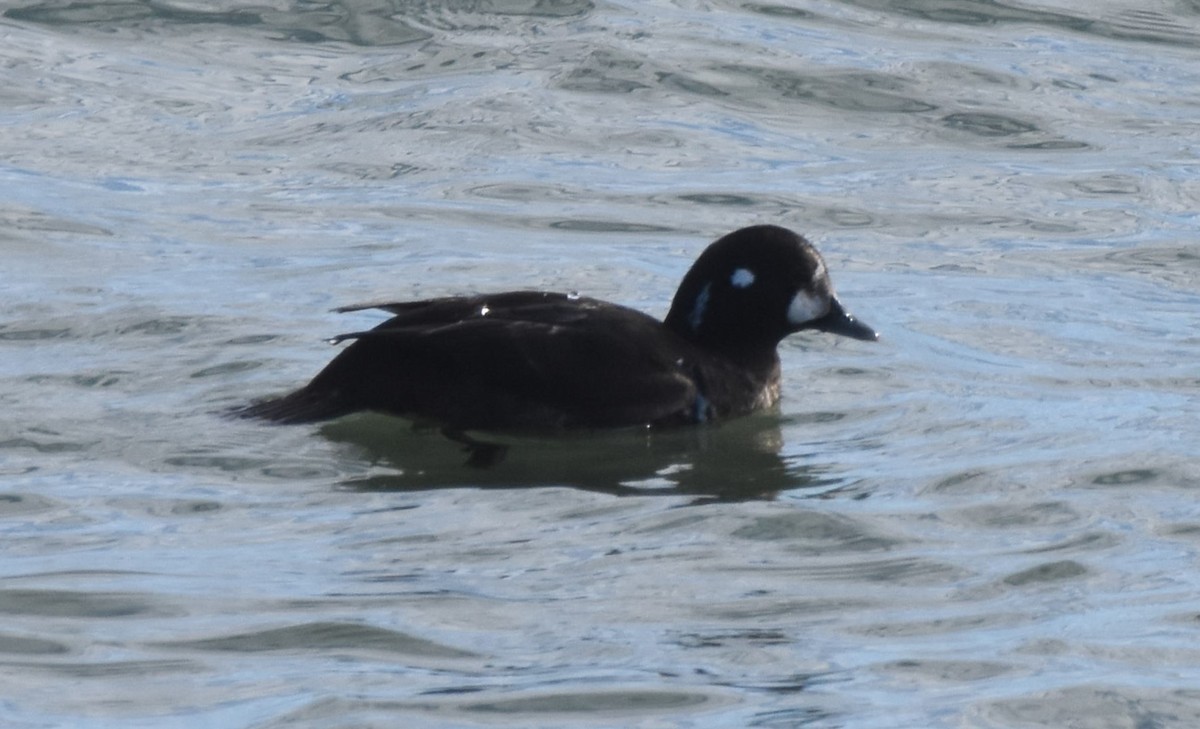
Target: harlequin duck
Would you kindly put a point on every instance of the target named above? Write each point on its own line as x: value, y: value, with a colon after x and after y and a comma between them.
x: 535, y: 361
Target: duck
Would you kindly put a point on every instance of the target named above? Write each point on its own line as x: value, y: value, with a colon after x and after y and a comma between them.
x: 542, y: 362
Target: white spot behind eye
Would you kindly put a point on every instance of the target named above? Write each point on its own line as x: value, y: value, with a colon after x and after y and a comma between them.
x: 699, y: 307
x: 484, y: 310
x: 742, y: 278
x: 805, y: 307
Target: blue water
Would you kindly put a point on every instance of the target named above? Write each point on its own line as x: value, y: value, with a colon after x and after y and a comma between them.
x: 987, y: 519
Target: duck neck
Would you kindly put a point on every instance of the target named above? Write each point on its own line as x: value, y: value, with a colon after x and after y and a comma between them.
x: 750, y: 353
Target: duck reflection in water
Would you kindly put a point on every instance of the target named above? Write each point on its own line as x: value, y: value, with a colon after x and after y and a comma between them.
x: 735, y: 461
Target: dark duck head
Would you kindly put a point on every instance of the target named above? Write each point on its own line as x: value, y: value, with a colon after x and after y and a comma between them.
x: 753, y: 287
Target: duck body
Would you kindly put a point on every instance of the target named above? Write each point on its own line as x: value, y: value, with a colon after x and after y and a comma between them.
x: 535, y: 361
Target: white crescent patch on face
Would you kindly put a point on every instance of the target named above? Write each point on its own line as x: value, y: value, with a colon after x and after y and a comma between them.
x: 805, y: 307
x: 698, y: 307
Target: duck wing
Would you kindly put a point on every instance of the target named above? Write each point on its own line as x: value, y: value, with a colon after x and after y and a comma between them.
x: 517, y: 305
x: 514, y: 361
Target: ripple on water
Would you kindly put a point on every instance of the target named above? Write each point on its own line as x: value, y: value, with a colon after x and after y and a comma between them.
x: 1176, y: 264
x: 11, y: 644
x: 838, y: 91
x: 984, y: 124
x: 75, y: 604
x: 992, y: 510
x: 381, y: 28
x: 1047, y: 572
x: 14, y: 505
x: 15, y: 334
x: 638, y: 704
x: 1106, y: 704
x: 952, y: 672
x: 37, y: 221
x: 813, y: 532
x: 1008, y: 516
x: 326, y: 636
x: 943, y: 626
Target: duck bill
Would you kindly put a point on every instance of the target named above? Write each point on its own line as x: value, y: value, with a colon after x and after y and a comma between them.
x: 840, y: 321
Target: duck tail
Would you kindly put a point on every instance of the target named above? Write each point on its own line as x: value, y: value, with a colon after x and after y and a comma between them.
x: 302, y: 406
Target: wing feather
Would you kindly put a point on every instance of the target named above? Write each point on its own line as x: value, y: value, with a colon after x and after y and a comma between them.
x: 519, y: 360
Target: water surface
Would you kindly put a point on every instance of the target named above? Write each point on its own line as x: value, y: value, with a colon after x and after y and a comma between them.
x: 985, y: 520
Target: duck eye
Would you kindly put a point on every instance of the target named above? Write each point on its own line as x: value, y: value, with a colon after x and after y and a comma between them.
x: 742, y: 278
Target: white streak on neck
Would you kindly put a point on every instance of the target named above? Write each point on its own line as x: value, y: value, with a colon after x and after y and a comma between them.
x: 698, y: 307
x: 701, y: 409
